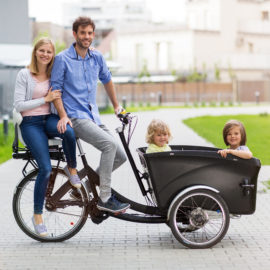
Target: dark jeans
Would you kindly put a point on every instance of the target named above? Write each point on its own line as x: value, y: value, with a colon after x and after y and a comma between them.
x: 35, y: 132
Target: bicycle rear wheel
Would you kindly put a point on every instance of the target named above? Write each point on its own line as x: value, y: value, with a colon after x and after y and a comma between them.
x: 62, y: 222
x: 199, y: 219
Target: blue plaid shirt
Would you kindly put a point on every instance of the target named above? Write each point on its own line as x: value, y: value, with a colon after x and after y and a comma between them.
x: 77, y: 77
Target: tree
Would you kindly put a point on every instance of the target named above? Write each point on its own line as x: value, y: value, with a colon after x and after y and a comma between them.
x: 59, y: 45
x: 144, y: 72
x: 217, y: 72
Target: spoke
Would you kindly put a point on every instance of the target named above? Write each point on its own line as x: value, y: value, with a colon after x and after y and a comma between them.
x: 68, y: 214
x: 180, y: 210
x: 209, y: 213
x: 194, y: 204
x: 205, y: 199
x: 60, y: 223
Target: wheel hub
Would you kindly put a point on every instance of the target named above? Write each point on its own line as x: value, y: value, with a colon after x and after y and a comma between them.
x: 198, y: 218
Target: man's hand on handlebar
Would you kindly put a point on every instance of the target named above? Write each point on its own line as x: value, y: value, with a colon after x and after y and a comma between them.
x: 119, y: 110
x: 62, y: 124
x: 122, y: 114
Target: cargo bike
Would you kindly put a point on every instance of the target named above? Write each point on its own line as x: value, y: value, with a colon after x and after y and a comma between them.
x: 192, y: 189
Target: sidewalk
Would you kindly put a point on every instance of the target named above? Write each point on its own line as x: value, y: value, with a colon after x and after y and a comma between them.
x: 117, y: 244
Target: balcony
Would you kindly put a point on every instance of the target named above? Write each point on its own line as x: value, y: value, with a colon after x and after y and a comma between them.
x: 254, y: 27
x: 247, y: 61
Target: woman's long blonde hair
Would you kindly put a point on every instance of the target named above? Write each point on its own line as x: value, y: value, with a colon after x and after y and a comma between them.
x: 33, y: 67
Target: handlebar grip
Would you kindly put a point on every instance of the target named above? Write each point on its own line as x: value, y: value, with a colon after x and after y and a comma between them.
x: 123, y: 116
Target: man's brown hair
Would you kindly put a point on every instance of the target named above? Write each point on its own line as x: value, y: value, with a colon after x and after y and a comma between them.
x: 82, y: 21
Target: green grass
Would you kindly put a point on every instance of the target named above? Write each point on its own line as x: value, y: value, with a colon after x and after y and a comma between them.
x: 6, y: 143
x: 148, y: 107
x: 257, y: 129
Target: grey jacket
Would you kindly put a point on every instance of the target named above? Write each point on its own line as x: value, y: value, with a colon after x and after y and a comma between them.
x: 24, y: 87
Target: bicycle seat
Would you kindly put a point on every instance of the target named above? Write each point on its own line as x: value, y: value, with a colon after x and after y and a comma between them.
x: 55, y: 141
x: 17, y: 119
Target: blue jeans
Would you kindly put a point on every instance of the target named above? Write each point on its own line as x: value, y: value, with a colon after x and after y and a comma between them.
x: 35, y: 132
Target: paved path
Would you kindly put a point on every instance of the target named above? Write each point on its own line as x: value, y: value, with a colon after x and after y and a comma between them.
x: 117, y: 244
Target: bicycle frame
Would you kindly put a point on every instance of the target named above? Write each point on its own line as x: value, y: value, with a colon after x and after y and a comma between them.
x: 149, y: 214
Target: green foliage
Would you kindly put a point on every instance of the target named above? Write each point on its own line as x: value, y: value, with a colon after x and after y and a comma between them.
x: 264, y: 114
x: 196, y: 76
x: 231, y: 72
x: 193, y: 76
x: 257, y: 128
x: 181, y: 78
x: 59, y: 45
x: 144, y: 72
x: 41, y: 35
x: 213, y: 104
x: 217, y: 73
x: 267, y: 184
x: 6, y: 143
x: 173, y: 72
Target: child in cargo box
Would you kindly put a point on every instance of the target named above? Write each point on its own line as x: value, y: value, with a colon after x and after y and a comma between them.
x: 234, y: 136
x: 158, y: 136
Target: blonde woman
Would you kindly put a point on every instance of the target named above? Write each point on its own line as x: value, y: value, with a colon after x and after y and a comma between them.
x: 32, y: 99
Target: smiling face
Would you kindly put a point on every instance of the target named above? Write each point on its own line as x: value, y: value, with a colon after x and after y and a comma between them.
x: 161, y: 138
x: 234, y: 137
x: 84, y: 36
x: 44, y: 54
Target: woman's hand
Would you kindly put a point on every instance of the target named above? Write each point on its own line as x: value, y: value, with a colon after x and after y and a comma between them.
x: 52, y: 95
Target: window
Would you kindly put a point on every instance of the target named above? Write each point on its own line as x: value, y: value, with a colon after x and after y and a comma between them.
x: 250, y: 47
x: 265, y: 15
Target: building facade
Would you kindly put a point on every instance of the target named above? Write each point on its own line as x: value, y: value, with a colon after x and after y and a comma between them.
x: 15, y: 48
x: 231, y: 37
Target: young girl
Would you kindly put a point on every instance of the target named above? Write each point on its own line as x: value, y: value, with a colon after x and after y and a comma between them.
x: 234, y: 136
x: 158, y: 136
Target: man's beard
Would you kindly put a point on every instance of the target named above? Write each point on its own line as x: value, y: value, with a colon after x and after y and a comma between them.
x: 80, y: 44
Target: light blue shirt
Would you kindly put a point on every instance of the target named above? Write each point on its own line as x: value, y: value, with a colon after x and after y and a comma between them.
x: 77, y: 77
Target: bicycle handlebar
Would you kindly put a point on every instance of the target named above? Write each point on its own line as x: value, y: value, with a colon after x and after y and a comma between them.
x: 124, y: 117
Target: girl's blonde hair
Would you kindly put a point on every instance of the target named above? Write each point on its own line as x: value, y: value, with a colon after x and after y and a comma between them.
x: 157, y: 125
x: 234, y: 123
x: 33, y: 67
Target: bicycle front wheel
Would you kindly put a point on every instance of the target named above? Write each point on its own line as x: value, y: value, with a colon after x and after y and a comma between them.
x: 62, y: 222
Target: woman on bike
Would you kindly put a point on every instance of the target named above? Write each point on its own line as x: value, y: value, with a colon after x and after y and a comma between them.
x: 32, y: 99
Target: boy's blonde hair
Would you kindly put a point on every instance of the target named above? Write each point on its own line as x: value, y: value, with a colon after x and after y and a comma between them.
x: 234, y: 123
x: 157, y: 125
x: 33, y: 67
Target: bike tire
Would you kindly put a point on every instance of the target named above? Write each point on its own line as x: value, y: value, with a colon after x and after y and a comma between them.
x: 61, y: 224
x: 206, y: 219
